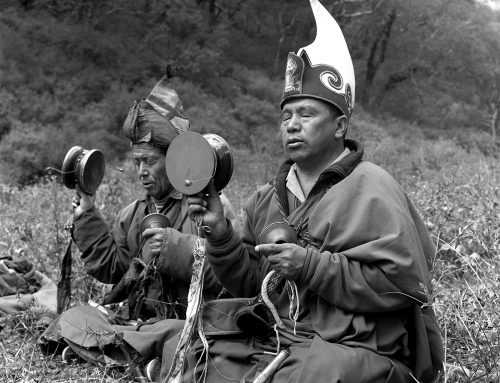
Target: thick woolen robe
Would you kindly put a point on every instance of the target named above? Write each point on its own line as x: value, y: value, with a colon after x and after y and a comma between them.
x: 107, y: 253
x: 363, y: 289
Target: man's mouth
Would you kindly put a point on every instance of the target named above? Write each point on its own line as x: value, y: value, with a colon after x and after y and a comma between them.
x: 294, y: 143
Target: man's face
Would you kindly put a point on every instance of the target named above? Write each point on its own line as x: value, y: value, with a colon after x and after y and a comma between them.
x: 150, y: 165
x: 308, y: 132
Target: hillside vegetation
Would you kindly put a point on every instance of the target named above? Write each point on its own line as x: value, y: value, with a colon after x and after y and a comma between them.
x: 70, y: 69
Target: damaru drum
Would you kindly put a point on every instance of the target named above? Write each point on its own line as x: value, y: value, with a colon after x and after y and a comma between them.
x: 84, y: 168
x: 193, y: 160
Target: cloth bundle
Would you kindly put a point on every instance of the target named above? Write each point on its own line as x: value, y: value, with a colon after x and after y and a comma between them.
x: 22, y: 287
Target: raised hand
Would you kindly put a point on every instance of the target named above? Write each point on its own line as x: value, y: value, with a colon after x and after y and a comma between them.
x: 206, y: 209
x: 82, y: 202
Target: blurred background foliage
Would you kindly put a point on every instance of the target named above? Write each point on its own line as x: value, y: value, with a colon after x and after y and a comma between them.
x: 70, y: 69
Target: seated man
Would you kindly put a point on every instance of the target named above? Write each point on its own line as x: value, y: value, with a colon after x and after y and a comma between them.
x: 348, y: 300
x: 153, y: 268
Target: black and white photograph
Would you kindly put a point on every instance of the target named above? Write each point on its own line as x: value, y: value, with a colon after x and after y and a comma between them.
x: 246, y: 191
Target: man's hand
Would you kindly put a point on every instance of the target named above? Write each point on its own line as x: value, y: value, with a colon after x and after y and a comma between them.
x: 286, y: 258
x: 82, y: 202
x: 207, y: 209
x: 155, y: 236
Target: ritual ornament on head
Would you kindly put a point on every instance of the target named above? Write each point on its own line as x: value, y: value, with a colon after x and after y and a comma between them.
x: 158, y: 118
x: 322, y: 70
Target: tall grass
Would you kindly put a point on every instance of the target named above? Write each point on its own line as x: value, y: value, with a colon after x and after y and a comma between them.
x: 456, y: 191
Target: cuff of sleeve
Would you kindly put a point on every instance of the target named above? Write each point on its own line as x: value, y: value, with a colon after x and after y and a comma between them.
x: 310, y: 265
x: 221, y: 239
x: 87, y: 227
x: 220, y: 245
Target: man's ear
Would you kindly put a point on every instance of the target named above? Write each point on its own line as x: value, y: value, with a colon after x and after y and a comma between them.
x: 341, y: 123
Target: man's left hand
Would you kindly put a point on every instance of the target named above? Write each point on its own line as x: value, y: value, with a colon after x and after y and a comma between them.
x: 155, y: 237
x: 286, y: 258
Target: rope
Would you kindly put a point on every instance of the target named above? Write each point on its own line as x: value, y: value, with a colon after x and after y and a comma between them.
x: 293, y: 296
x: 267, y: 301
x: 204, y: 354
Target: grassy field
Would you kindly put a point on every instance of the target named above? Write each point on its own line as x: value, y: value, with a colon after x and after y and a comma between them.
x: 456, y: 190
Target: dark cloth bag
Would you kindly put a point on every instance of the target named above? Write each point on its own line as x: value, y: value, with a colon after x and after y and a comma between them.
x: 255, y: 319
x: 219, y: 316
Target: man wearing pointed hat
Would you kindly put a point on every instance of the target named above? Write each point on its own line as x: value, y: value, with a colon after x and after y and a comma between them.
x: 151, y: 270
x: 347, y: 299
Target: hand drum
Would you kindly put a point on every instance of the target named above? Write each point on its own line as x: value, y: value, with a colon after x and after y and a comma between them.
x: 84, y: 168
x: 193, y: 160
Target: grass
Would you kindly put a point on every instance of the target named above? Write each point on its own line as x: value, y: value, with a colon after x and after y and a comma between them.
x: 456, y: 191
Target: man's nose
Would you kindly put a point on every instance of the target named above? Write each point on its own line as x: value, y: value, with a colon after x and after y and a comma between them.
x: 143, y: 169
x: 293, y: 123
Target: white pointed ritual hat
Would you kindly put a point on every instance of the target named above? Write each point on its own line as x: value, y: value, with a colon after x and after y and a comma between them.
x: 323, y: 69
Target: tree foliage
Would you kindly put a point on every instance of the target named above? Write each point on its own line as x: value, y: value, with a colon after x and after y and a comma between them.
x: 69, y: 69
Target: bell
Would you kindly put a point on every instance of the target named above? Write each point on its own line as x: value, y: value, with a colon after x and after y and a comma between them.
x: 193, y: 160
x: 84, y: 168
x: 153, y: 220
x: 278, y: 232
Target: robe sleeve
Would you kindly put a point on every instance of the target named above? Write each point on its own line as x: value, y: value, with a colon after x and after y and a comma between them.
x: 105, y: 252
x: 392, y: 283
x: 234, y: 261
x: 375, y: 249
x: 177, y: 258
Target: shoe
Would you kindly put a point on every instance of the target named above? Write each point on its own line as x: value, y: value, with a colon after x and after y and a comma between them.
x: 68, y: 354
x: 153, y: 369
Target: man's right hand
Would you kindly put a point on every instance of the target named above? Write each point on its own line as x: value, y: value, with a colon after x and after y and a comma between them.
x: 206, y: 209
x: 83, y: 202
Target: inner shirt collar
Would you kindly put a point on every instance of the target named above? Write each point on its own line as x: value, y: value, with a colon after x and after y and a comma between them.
x: 292, y: 181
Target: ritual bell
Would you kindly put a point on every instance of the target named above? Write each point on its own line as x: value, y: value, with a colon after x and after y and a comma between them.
x: 278, y: 232
x: 154, y: 220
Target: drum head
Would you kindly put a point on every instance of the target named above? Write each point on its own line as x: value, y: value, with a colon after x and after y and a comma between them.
x: 154, y: 220
x: 224, y: 160
x: 190, y: 163
x: 90, y: 171
x: 68, y: 166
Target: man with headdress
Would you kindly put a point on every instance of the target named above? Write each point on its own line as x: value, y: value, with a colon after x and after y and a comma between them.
x: 153, y: 268
x: 347, y: 299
